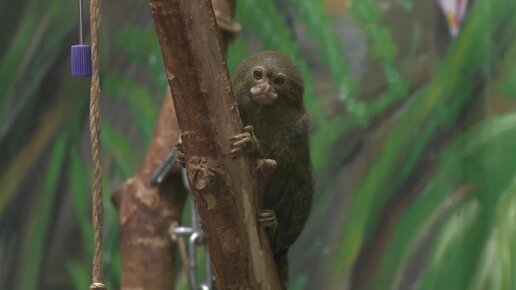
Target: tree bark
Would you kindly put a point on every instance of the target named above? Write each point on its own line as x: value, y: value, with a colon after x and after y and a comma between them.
x: 224, y: 188
x: 147, y: 212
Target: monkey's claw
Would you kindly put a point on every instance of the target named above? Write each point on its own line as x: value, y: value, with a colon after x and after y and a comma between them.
x: 267, y: 218
x: 243, y: 143
x: 179, y: 154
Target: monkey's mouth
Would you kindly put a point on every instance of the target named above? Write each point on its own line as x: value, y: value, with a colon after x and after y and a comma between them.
x: 263, y: 94
x: 264, y: 99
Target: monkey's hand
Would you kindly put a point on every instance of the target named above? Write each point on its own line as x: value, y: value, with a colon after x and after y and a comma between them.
x: 245, y: 143
x: 267, y: 218
x: 179, y: 154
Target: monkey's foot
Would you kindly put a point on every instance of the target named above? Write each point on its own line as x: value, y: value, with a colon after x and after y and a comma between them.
x: 179, y: 154
x: 267, y: 218
x: 244, y: 143
x: 264, y: 170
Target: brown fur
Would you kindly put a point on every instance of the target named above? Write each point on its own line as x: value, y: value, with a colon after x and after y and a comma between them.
x: 282, y: 133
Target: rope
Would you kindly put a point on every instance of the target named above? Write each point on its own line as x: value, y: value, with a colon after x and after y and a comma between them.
x: 95, y: 146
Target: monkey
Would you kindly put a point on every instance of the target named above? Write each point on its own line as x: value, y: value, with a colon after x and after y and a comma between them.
x: 269, y: 91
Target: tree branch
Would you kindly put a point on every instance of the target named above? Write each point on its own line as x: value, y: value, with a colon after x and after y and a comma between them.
x: 146, y: 213
x: 224, y: 189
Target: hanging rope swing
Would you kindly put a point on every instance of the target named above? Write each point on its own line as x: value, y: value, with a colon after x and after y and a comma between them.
x: 85, y: 62
x: 95, y: 146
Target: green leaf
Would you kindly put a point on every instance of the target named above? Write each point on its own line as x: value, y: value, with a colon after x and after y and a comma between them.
x: 139, y: 102
x: 31, y: 54
x: 298, y: 283
x: 496, y: 268
x: 506, y: 84
x: 407, y: 5
x: 40, y: 222
x: 384, y: 50
x: 455, y: 253
x: 121, y: 148
x: 320, y: 27
x: 142, y: 46
x: 80, y: 186
x: 237, y: 51
x: 79, y: 275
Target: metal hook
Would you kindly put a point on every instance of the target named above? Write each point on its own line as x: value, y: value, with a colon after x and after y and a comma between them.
x: 80, y: 22
x: 194, y: 234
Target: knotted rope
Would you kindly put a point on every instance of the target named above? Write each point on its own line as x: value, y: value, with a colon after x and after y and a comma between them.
x: 95, y: 146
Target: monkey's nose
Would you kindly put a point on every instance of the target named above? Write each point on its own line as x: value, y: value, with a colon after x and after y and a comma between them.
x: 268, y: 87
x: 262, y: 88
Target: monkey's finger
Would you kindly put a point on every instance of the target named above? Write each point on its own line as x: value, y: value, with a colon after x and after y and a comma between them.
x: 248, y: 129
x: 240, y: 136
x: 240, y: 143
x: 237, y: 152
x: 267, y: 215
x: 268, y: 223
x: 267, y: 220
x: 267, y: 212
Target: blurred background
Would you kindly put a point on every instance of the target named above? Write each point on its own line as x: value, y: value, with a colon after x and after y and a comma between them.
x: 413, y: 140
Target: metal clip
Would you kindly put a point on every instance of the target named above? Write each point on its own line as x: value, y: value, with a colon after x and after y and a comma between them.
x: 164, y: 169
x: 195, y: 238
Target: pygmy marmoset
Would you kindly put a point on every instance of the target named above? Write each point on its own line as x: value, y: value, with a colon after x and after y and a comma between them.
x: 269, y: 90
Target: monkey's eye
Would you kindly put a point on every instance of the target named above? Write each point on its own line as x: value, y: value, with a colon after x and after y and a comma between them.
x: 279, y: 81
x: 258, y: 74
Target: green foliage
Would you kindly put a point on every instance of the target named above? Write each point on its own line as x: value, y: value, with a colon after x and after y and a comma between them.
x: 79, y: 275
x: 496, y: 268
x: 142, y: 47
x: 430, y: 110
x: 508, y: 85
x: 30, y: 53
x: 79, y: 176
x: 457, y: 244
x: 321, y: 29
x: 237, y: 51
x: 407, y: 5
x: 384, y: 50
x: 485, y: 146
x: 121, y: 148
x: 42, y: 214
x: 462, y: 163
x: 138, y: 99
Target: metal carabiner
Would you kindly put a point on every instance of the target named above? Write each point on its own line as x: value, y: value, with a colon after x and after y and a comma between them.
x: 194, y: 234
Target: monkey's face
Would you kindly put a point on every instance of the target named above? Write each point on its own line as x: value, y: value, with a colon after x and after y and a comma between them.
x: 269, y: 78
x: 266, y: 84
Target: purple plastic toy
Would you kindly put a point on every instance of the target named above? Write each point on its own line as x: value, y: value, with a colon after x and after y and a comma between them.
x: 81, y: 60
x: 81, y: 54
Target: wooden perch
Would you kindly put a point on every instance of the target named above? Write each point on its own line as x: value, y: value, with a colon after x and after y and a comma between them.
x: 224, y: 189
x: 146, y: 212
